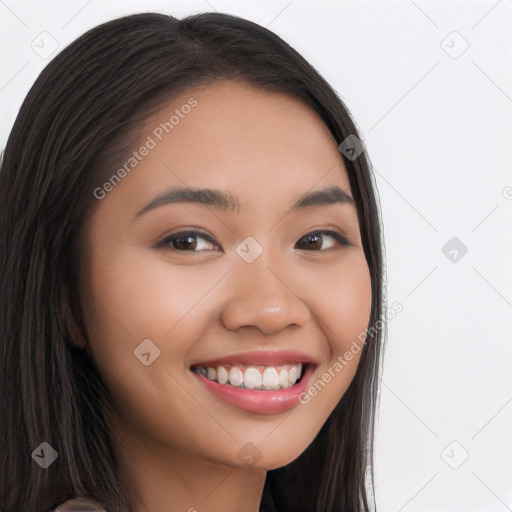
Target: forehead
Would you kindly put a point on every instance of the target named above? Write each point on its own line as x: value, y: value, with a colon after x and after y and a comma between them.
x: 262, y: 146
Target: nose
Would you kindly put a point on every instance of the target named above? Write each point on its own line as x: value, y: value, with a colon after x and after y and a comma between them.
x: 260, y: 297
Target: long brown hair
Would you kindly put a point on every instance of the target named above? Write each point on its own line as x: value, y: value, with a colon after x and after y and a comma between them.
x: 76, y: 124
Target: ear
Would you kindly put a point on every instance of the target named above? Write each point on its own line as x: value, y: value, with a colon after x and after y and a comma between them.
x: 76, y: 337
x: 72, y: 318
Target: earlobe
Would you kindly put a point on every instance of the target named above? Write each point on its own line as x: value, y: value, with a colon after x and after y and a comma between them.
x: 76, y: 338
x: 73, y: 321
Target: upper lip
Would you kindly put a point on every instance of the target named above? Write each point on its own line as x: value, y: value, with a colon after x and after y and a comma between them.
x: 261, y: 358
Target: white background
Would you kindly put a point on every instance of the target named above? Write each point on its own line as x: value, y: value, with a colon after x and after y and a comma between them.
x: 437, y: 126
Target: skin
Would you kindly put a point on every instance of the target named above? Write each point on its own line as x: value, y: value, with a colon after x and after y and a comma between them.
x: 175, y: 443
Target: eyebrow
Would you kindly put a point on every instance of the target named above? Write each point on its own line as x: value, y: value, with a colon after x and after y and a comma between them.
x: 227, y: 202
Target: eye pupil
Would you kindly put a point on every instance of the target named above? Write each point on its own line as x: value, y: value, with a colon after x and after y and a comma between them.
x: 312, y: 238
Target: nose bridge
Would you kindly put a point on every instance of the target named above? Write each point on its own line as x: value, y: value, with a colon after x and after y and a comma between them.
x: 261, y: 295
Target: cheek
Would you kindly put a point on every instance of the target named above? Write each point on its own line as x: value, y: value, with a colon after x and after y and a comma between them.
x: 351, y: 322
x: 343, y: 307
x: 137, y: 299
x: 343, y: 300
x: 355, y: 299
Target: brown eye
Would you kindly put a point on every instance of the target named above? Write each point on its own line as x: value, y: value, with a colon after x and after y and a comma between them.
x: 314, y: 240
x: 187, y: 241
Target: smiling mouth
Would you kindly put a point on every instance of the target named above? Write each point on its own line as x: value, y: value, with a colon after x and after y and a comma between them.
x: 254, y: 376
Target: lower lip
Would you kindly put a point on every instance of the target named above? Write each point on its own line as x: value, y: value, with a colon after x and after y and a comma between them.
x: 260, y: 401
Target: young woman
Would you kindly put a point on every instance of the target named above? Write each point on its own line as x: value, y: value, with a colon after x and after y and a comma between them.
x: 192, y: 279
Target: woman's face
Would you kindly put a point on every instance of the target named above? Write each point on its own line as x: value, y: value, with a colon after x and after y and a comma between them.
x: 252, y: 290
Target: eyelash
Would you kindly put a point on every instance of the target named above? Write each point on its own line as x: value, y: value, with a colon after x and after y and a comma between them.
x: 166, y: 242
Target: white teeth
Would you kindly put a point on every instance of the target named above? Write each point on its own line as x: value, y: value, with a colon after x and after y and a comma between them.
x: 282, y: 379
x: 236, y: 377
x: 260, y: 377
x: 292, y: 375
x: 252, y: 378
x: 269, y: 378
x: 222, y: 375
x: 211, y: 373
